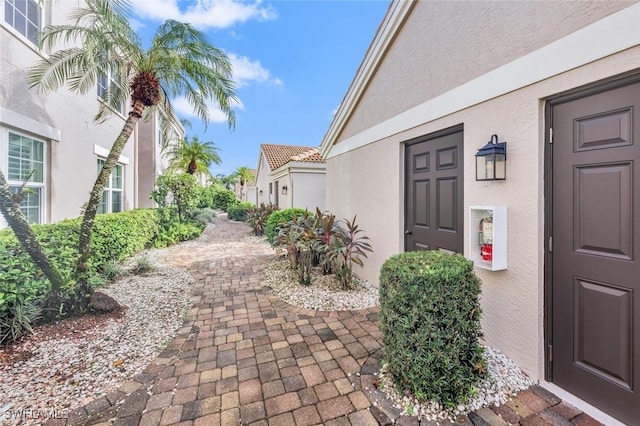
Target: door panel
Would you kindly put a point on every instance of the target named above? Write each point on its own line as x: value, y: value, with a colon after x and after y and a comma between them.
x: 434, y: 178
x: 595, y: 270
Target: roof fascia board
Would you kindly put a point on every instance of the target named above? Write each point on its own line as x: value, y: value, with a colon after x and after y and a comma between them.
x: 572, y: 51
x: 398, y: 11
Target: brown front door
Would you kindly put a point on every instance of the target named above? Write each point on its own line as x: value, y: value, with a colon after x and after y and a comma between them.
x: 434, y: 204
x: 595, y: 250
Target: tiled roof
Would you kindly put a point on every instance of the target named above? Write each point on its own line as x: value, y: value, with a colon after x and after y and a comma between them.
x: 279, y: 155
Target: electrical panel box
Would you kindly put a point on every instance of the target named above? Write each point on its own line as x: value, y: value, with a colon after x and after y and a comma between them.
x: 488, y: 237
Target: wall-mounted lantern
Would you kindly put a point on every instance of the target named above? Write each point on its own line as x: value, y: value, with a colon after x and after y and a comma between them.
x: 491, y: 160
x: 284, y: 190
x: 260, y: 192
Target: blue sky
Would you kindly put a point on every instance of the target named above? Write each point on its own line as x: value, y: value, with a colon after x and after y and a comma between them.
x: 293, y: 63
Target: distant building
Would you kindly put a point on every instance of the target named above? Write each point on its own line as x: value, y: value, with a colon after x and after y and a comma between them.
x: 290, y: 176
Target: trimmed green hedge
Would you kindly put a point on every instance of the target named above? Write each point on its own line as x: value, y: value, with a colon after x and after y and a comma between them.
x: 114, y: 236
x: 430, y: 323
x: 239, y: 211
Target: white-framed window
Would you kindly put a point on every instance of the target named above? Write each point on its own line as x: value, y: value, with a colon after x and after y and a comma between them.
x: 105, y: 81
x: 25, y: 161
x: 112, y: 197
x: 25, y: 16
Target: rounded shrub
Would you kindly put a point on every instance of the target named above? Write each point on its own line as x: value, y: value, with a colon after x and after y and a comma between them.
x: 430, y: 323
x: 277, y: 218
x: 222, y: 199
x: 239, y: 211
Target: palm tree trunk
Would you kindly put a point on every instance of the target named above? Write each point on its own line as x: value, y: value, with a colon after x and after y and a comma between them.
x: 23, y: 232
x: 83, y: 291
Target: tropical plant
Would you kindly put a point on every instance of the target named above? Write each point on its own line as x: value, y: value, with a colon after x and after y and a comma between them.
x: 348, y: 249
x: 192, y: 156
x: 179, y: 61
x: 257, y: 217
x: 326, y: 229
x: 277, y: 219
x: 244, y: 175
x: 227, y: 180
x: 180, y: 190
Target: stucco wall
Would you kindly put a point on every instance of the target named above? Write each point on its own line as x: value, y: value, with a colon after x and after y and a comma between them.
x: 446, y: 43
x: 512, y: 300
x: 308, y: 190
x: 72, y: 168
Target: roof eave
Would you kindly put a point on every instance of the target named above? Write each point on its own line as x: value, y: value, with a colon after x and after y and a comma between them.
x: 391, y: 24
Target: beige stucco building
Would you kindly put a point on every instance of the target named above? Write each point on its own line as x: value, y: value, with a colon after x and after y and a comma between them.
x: 290, y: 176
x: 556, y: 80
x: 55, y: 134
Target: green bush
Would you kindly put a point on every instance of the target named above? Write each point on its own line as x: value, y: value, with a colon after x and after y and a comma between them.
x: 176, y: 232
x: 278, y: 218
x: 430, y: 323
x: 204, y: 215
x: 22, y: 287
x: 222, y: 199
x: 239, y: 211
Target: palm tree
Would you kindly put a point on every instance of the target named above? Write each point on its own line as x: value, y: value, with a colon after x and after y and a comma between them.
x: 179, y: 62
x: 244, y: 175
x: 227, y: 180
x: 10, y: 209
x: 193, y: 156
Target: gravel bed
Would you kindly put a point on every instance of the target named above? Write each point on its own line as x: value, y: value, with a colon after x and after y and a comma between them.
x: 67, y: 364
x: 505, y: 380
x: 324, y: 293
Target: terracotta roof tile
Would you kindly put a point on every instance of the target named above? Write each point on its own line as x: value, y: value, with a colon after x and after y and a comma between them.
x: 279, y: 155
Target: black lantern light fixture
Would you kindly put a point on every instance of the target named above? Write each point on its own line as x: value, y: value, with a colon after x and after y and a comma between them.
x: 491, y: 160
x: 284, y: 190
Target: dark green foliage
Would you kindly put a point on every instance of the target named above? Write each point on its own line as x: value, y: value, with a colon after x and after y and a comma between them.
x: 430, y: 323
x: 22, y: 286
x: 175, y: 232
x: 177, y: 190
x: 222, y: 199
x: 239, y: 211
x: 257, y: 217
x: 205, y: 197
x: 278, y: 218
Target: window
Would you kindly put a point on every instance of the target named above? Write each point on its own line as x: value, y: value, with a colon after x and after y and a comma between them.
x: 112, y: 196
x: 105, y: 81
x: 26, y: 163
x: 24, y: 16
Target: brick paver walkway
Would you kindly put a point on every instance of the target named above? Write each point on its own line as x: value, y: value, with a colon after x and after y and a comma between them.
x: 245, y: 357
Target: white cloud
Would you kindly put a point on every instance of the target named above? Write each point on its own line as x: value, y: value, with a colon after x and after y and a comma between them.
x: 183, y: 108
x: 246, y: 70
x: 204, y: 13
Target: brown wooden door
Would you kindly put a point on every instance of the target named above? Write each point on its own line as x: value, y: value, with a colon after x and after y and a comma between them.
x: 434, y: 193
x: 595, y: 276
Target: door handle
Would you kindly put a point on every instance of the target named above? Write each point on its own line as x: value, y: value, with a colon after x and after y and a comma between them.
x: 407, y: 232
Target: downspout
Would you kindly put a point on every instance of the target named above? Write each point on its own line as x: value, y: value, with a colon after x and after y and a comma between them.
x: 136, y: 167
x: 291, y: 186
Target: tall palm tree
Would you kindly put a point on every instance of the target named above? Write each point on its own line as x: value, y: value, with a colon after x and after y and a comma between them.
x: 193, y: 156
x: 179, y: 61
x: 244, y: 175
